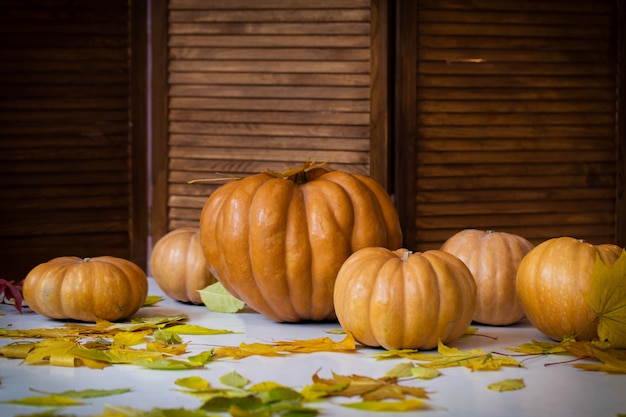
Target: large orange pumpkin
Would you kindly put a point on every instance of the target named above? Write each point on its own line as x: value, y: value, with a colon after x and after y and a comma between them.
x: 69, y: 287
x: 178, y: 266
x: 551, y: 281
x: 277, y: 241
x: 404, y: 300
x: 493, y: 258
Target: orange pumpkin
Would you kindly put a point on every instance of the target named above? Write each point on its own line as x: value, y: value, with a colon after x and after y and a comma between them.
x: 493, y: 258
x: 403, y: 300
x: 551, y: 280
x: 178, y: 266
x: 277, y: 241
x: 69, y: 287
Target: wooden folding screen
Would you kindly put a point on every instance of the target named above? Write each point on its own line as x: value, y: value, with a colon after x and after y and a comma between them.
x: 242, y: 86
x: 507, y: 119
x: 72, y: 167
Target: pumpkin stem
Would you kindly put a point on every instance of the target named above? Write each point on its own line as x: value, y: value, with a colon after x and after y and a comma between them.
x: 406, y: 255
x: 300, y: 178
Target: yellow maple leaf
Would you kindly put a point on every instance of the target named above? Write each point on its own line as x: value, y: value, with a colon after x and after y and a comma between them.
x: 368, y: 388
x: 613, y: 360
x: 322, y: 344
x: 608, y: 299
x: 475, y: 359
x: 539, y: 347
x: 53, y: 351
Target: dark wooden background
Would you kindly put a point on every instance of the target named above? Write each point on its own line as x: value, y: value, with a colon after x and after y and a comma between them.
x: 494, y: 114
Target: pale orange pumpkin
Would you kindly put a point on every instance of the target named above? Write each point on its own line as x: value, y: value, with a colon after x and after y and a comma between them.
x: 493, y: 258
x: 178, y: 265
x: 403, y: 300
x: 551, y: 281
x: 69, y: 287
x: 277, y: 241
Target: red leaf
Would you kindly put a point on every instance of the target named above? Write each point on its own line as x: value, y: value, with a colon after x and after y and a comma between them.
x: 12, y: 292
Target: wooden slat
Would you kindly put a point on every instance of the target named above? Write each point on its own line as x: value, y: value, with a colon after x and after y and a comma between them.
x: 268, y: 4
x: 516, y: 105
x: 260, y: 103
x: 271, y: 142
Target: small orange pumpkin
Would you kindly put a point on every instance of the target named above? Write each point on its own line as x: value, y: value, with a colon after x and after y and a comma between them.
x: 404, y: 300
x: 178, y: 265
x: 277, y: 240
x: 551, y: 281
x: 493, y: 258
x: 69, y: 287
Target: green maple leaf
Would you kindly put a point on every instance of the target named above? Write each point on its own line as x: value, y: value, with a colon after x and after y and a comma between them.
x: 608, y: 299
x: 475, y: 359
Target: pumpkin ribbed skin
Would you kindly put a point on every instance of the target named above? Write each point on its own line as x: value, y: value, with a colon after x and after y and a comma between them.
x: 551, y: 280
x: 178, y: 266
x: 403, y: 300
x: 278, y: 243
x: 69, y: 287
x: 493, y: 258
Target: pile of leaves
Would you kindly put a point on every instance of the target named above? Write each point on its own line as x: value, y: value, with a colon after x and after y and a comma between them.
x: 156, y: 343
x: 152, y: 342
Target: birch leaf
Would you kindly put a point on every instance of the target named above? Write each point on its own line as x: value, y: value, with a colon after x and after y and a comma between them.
x: 403, y: 369
x: 216, y: 298
x: 264, y: 386
x: 166, y: 337
x: 202, y: 358
x: 151, y: 300
x: 608, y: 299
x: 233, y: 379
x: 507, y: 385
x: 423, y: 372
x: 194, y: 383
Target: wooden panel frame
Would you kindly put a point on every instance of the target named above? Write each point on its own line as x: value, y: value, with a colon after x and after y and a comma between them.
x: 380, y: 136
x: 406, y: 131
x: 159, y: 119
x: 381, y: 147
x: 405, y: 116
x: 139, y: 211
x: 620, y: 194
